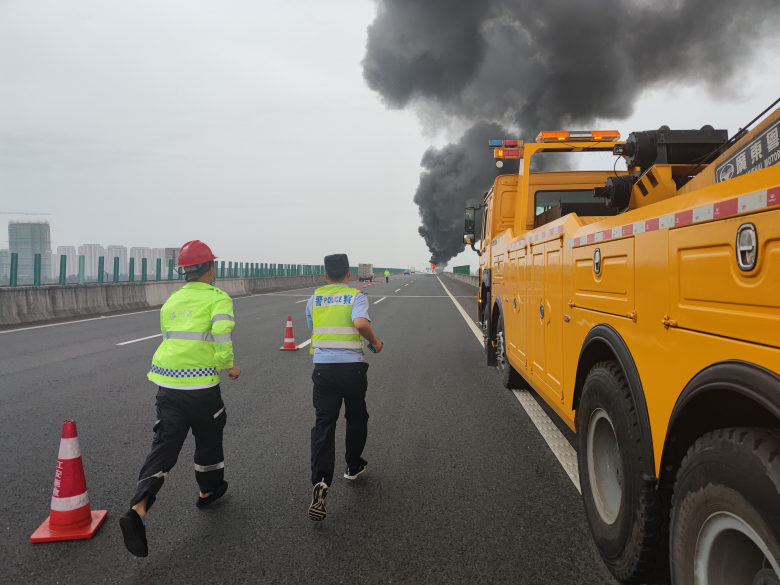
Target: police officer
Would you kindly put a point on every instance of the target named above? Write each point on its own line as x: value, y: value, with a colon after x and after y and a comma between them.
x: 387, y: 275
x: 196, y: 323
x: 338, y: 317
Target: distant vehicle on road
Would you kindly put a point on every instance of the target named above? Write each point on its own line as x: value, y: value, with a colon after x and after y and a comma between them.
x: 411, y: 270
x: 406, y: 272
x: 365, y: 272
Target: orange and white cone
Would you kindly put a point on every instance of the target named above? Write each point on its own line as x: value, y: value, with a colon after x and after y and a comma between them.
x: 289, y: 338
x: 71, y: 517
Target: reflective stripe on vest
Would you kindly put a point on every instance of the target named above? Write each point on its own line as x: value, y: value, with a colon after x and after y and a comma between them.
x: 194, y: 336
x: 332, y: 319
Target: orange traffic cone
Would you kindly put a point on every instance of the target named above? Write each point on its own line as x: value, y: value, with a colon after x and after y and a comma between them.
x: 289, y: 339
x: 71, y: 517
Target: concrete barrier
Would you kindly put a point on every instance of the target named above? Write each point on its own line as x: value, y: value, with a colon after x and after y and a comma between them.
x: 467, y: 278
x: 30, y: 304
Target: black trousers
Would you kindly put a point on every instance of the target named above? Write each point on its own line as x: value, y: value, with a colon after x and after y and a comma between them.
x: 332, y: 384
x: 177, y: 412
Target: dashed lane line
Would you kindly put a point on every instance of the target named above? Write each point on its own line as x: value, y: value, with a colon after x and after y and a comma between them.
x: 397, y: 290
x: 560, y: 447
x: 141, y: 339
x: 302, y: 301
x: 79, y: 321
x: 304, y: 344
x: 380, y: 300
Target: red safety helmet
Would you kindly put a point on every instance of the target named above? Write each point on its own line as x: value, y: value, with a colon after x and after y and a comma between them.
x: 195, y: 252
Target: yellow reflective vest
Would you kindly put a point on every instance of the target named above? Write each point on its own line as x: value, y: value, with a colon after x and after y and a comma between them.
x: 331, y: 316
x: 196, y: 323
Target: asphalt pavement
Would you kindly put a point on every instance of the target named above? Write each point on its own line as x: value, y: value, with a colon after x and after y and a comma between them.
x: 460, y: 486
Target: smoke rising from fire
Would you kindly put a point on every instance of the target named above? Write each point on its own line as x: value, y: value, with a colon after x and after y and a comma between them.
x: 508, y: 68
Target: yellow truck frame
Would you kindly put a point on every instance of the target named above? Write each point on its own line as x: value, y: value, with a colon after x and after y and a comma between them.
x: 655, y: 335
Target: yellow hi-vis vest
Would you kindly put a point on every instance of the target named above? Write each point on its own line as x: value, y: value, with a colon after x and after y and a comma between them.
x: 331, y: 315
x: 387, y: 273
x: 196, y: 322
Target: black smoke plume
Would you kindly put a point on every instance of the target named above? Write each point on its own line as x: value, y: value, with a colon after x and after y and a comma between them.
x: 541, y: 64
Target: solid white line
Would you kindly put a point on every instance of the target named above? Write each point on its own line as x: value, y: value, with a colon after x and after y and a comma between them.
x: 141, y: 339
x: 397, y: 290
x: 463, y: 312
x: 560, y: 447
x: 79, y: 321
x: 304, y: 344
x: 380, y: 300
x: 303, y: 301
x: 406, y: 285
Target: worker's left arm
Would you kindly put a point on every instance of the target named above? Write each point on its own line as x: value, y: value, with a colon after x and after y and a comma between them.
x: 222, y: 324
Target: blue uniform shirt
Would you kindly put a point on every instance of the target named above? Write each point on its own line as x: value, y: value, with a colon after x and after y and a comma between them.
x: 330, y: 355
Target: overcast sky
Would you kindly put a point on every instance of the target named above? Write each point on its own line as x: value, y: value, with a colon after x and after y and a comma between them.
x: 247, y: 125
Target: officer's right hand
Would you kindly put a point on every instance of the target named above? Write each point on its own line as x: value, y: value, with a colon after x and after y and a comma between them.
x: 233, y: 373
x: 378, y: 345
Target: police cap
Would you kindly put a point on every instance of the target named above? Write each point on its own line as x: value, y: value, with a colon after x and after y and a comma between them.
x: 336, y: 265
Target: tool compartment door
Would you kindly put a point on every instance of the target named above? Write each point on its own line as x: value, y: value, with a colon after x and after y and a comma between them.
x: 709, y: 292
x: 536, y: 302
x: 518, y: 306
x: 553, y: 320
x: 611, y: 290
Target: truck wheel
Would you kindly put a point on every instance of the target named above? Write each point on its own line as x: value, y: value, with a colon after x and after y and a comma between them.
x: 624, y: 511
x: 725, y: 525
x: 509, y: 376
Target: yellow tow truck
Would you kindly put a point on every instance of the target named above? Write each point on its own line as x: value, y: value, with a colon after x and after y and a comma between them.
x: 643, y: 307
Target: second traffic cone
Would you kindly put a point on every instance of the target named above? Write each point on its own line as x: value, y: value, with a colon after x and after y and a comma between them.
x: 289, y: 339
x: 71, y: 517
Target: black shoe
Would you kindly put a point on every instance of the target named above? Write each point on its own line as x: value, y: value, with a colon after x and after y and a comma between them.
x: 134, y: 533
x: 317, y: 509
x: 218, y: 492
x: 353, y: 472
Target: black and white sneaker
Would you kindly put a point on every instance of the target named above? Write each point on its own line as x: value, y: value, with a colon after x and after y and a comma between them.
x: 134, y: 533
x: 353, y: 472
x: 317, y: 509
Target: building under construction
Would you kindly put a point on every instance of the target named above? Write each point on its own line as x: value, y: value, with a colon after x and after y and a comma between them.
x: 28, y: 238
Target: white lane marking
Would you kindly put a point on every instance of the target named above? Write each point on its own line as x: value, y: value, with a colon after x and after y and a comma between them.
x: 303, y: 301
x: 141, y: 339
x: 304, y: 344
x: 79, y: 321
x: 560, y: 447
x: 406, y: 285
x: 397, y: 290
x: 380, y: 300
x: 463, y: 312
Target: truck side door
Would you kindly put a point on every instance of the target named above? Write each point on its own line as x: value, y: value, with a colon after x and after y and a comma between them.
x: 545, y: 314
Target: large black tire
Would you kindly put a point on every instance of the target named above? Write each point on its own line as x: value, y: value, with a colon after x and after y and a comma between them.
x: 509, y: 376
x: 728, y: 484
x: 626, y: 513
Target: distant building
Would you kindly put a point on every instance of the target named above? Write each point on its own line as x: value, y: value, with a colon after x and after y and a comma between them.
x: 71, y: 262
x: 5, y: 264
x: 138, y: 253
x: 91, y: 253
x: 172, y: 254
x: 154, y: 255
x: 116, y: 251
x: 28, y: 238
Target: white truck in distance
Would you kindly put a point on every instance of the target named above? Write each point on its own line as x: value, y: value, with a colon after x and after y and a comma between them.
x: 365, y: 272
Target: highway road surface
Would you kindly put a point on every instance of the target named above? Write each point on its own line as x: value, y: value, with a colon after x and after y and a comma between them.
x: 461, y: 485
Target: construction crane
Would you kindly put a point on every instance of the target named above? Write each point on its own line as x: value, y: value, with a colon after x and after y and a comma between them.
x: 22, y: 213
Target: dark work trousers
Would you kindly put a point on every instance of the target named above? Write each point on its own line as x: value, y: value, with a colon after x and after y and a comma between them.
x: 177, y: 412
x: 332, y: 384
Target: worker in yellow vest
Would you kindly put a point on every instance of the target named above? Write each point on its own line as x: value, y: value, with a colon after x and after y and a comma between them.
x: 338, y: 318
x: 387, y: 275
x: 196, y: 323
